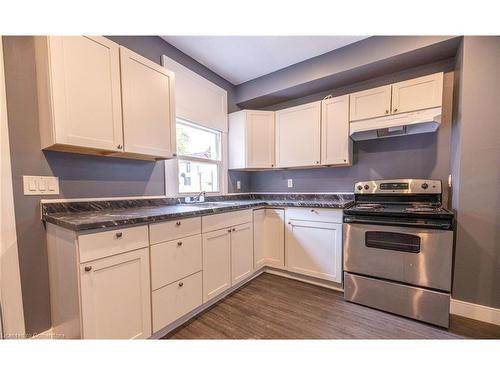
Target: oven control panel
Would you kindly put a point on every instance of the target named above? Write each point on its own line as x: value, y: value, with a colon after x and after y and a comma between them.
x: 402, y: 186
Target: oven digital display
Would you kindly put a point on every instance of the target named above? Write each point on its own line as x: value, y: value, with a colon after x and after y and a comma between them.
x: 394, y: 186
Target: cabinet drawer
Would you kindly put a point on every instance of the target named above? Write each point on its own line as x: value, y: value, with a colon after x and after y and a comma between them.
x: 173, y: 260
x: 175, y: 300
x: 170, y: 230
x: 103, y: 244
x: 329, y: 215
x: 219, y: 221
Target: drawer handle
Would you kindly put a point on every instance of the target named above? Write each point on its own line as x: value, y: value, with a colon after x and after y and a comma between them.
x: 119, y: 235
x: 181, y: 284
x: 88, y: 268
x: 179, y: 243
x: 178, y: 223
x: 313, y: 210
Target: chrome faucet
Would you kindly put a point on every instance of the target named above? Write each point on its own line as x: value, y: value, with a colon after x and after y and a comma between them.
x: 198, y: 196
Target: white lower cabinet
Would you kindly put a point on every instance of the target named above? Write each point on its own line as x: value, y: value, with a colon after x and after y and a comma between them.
x: 269, y: 237
x: 313, y: 248
x: 241, y: 252
x: 175, y: 300
x: 216, y: 263
x: 115, y: 296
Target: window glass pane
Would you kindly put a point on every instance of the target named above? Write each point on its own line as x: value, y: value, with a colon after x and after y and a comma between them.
x: 198, y: 176
x: 196, y: 141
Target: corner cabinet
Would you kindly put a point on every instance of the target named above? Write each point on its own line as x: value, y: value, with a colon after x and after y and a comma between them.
x: 251, y: 139
x: 336, y: 145
x: 98, y: 98
x: 269, y: 237
x: 298, y: 132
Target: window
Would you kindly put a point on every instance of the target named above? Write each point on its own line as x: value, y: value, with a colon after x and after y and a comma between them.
x: 199, y: 158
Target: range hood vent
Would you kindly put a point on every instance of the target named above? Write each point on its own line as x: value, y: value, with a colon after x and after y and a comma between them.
x: 424, y: 121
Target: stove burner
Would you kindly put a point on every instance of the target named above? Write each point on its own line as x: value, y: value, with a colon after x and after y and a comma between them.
x: 369, y: 206
x: 422, y: 208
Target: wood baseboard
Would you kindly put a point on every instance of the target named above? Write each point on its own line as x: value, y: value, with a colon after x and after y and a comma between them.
x: 478, y: 312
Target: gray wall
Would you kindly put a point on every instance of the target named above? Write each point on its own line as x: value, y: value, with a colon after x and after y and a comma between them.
x: 80, y: 176
x: 476, y: 172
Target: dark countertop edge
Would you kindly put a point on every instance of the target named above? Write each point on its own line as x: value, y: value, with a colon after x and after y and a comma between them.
x: 113, y: 224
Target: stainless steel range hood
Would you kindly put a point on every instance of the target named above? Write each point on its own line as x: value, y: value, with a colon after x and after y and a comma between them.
x: 423, y: 121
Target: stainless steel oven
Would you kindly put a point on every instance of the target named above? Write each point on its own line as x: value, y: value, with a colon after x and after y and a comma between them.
x: 398, y: 249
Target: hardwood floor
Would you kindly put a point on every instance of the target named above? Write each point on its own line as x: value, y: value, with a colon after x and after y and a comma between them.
x: 274, y: 307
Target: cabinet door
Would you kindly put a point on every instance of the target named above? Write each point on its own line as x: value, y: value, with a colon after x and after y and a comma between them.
x: 336, y: 145
x: 269, y: 238
x: 148, y: 106
x: 85, y: 86
x: 241, y: 252
x: 116, y: 296
x: 314, y: 249
x: 298, y: 135
x: 260, y: 139
x: 216, y: 263
x: 416, y: 94
x: 370, y: 103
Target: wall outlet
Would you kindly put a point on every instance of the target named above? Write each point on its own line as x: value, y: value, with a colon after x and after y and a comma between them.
x: 238, y: 185
x: 40, y: 185
x: 290, y: 183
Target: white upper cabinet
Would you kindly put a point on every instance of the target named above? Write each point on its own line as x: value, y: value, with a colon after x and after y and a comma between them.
x: 370, y: 103
x: 95, y: 97
x: 148, y: 106
x: 416, y: 94
x: 298, y: 132
x: 336, y: 145
x: 79, y: 93
x: 251, y: 139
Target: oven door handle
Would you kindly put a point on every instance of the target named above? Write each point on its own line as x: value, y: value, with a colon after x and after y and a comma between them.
x: 396, y: 223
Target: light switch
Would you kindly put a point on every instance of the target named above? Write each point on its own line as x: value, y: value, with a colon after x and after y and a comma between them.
x: 238, y: 185
x: 290, y: 183
x: 40, y: 185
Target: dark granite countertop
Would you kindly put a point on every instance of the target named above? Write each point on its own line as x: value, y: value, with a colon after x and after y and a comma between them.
x: 80, y: 216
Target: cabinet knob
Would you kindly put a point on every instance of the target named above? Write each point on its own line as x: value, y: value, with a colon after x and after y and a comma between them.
x: 395, y: 110
x: 313, y: 210
x: 386, y: 111
x: 88, y: 268
x: 317, y: 162
x: 289, y: 223
x: 174, y: 155
x: 119, y: 147
x: 119, y: 235
x: 234, y: 230
x: 181, y: 283
x: 178, y: 223
x: 272, y: 165
x: 179, y: 243
x: 229, y: 230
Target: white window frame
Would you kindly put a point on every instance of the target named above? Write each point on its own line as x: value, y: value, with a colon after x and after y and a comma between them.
x: 195, y: 89
x: 218, y: 163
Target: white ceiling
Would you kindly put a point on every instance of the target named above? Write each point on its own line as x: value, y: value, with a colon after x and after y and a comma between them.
x: 241, y: 58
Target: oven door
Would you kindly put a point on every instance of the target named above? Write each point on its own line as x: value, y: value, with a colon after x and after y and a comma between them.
x: 416, y: 256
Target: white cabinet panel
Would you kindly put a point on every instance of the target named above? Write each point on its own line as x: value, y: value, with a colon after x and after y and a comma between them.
x: 216, y: 263
x: 116, y: 296
x: 336, y: 145
x: 148, y: 106
x: 79, y: 92
x: 229, y: 219
x: 173, y: 260
x: 298, y: 135
x: 175, y: 300
x: 241, y: 252
x: 370, y: 103
x: 171, y: 230
x: 269, y: 238
x: 251, y: 139
x: 419, y: 93
x: 314, y: 249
